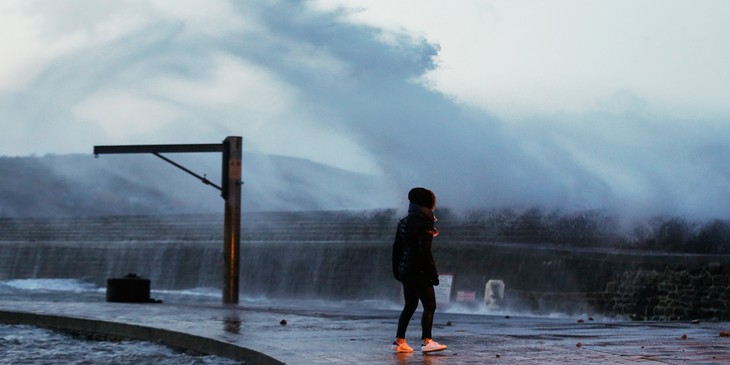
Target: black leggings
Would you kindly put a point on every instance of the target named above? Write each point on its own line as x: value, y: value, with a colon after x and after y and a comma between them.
x: 413, y: 291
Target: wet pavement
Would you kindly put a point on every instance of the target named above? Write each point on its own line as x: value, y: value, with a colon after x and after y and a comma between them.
x: 339, y: 335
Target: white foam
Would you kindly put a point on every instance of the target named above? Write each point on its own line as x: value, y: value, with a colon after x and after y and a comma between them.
x: 198, y: 292
x: 67, y: 285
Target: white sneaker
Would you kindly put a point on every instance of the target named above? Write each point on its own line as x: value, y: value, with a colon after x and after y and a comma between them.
x: 403, y: 347
x: 433, y: 346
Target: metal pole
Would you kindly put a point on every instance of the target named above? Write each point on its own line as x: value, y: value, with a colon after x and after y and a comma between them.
x: 232, y: 231
x: 230, y: 191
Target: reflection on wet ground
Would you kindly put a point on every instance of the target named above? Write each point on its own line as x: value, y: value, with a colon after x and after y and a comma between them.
x: 320, y: 335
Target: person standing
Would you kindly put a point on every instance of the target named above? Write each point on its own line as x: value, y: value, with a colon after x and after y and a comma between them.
x: 414, y: 267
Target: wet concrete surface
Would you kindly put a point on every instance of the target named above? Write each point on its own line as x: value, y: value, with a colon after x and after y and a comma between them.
x: 325, y: 335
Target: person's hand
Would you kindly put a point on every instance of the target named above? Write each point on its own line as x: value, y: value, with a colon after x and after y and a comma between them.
x: 435, y: 281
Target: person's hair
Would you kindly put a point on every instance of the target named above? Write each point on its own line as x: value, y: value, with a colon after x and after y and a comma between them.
x: 423, y: 197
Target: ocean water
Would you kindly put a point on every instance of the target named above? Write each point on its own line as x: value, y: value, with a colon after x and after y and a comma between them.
x: 22, y: 344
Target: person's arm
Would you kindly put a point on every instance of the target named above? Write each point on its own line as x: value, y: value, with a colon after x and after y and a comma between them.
x: 397, y: 252
x: 427, y: 262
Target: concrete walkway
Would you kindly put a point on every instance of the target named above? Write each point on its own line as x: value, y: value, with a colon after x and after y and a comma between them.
x: 328, y: 335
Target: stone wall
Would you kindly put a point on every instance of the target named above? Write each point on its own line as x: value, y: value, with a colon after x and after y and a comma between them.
x: 672, y: 292
x: 662, y: 292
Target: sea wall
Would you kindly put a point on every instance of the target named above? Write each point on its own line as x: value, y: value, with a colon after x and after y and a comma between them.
x: 346, y: 256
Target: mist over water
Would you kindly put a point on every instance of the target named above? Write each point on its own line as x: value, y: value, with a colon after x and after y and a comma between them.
x: 81, y: 185
x: 342, y: 98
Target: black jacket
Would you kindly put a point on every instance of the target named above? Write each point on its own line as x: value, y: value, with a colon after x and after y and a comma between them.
x: 412, y: 256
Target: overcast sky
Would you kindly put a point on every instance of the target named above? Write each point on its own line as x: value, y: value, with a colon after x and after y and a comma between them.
x: 618, y: 105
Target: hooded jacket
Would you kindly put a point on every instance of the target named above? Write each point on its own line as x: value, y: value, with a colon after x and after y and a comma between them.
x: 412, y: 258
